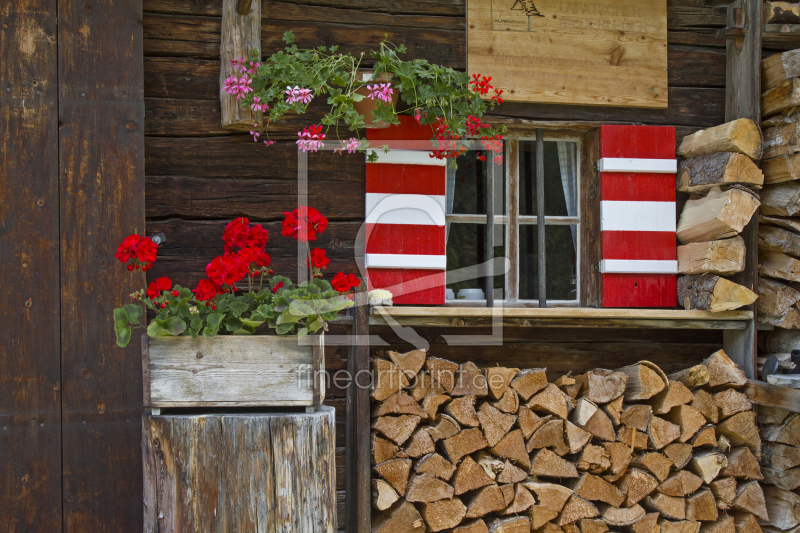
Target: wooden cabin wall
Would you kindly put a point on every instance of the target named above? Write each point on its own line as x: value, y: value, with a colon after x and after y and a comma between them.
x: 198, y: 176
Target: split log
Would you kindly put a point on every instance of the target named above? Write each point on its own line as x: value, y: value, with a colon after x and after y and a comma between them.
x: 671, y: 507
x: 780, y: 456
x: 410, y: 362
x: 681, y: 526
x: 596, y: 489
x: 623, y: 516
x: 529, y: 421
x: 470, y: 381
x: 426, y: 488
x: 679, y: 453
x: 708, y: 465
x: 550, y: 495
x: 722, y: 525
x: 475, y: 526
x: 431, y: 404
x: 674, y: 395
x: 395, y: 471
x: 508, y: 403
x: 470, y: 476
x: 517, y: 524
x: 781, y: 140
x: 511, y: 474
x: 403, y: 518
x: 546, y: 463
x: 655, y: 463
x: 575, y: 437
x: 484, y: 501
x: 746, y: 523
x: 698, y: 175
x: 782, y: 66
x: 389, y: 379
x: 724, y: 490
x: 704, y: 402
x: 399, y: 403
x: 443, y: 514
x: 781, y: 169
x: 490, y: 464
x: 512, y: 447
x: 495, y: 424
x: 692, y: 377
x: 718, y: 215
x: 240, y: 35
x: 783, y: 479
x: 740, y: 430
x: 706, y: 436
x: 785, y: 117
x: 789, y: 320
x: 540, y: 516
x: 750, y: 499
x: 442, y: 371
x: 661, y: 432
x: 689, y: 419
x: 775, y: 298
x: 741, y: 136
x: 419, y: 444
x: 602, y: 386
x: 779, y: 341
x: 588, y: 417
x: 424, y: 385
x: 723, y: 257
x: 593, y: 525
x: 646, y: 524
x: 436, y: 465
x: 551, y: 400
x: 771, y: 415
x: 594, y: 459
x: 643, y: 381
x: 463, y: 410
x: 636, y: 485
x: 791, y: 381
x: 709, y: 292
x: 783, y: 96
x: 464, y: 443
x: 633, y: 438
x: 620, y: 455
x: 772, y: 239
x: 444, y: 429
x: 523, y: 500
x: 614, y: 410
x: 396, y: 428
x: 499, y: 379
x: 723, y: 371
x: 782, y: 199
x: 701, y: 506
x: 550, y: 435
x: 529, y: 382
x: 575, y: 509
x: 730, y: 401
x: 382, y: 449
x: 680, y: 484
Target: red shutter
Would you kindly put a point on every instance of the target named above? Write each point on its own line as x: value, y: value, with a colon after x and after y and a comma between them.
x: 639, y: 248
x: 405, y: 249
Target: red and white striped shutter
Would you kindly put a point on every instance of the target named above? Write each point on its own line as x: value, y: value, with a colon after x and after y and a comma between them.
x: 637, y: 216
x: 405, y: 215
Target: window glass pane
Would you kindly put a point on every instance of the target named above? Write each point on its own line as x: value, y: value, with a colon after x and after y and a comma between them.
x: 560, y: 178
x: 466, y: 186
x: 560, y: 262
x: 466, y: 247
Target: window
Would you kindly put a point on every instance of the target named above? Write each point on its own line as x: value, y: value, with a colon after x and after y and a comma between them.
x: 517, y: 215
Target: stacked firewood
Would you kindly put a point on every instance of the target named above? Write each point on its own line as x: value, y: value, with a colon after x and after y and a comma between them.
x: 780, y: 460
x: 720, y: 174
x: 779, y: 232
x: 467, y: 450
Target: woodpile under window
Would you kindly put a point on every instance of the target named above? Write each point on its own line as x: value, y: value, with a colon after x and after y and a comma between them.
x: 504, y: 450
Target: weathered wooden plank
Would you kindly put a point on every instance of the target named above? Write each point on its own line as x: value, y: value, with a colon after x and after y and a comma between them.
x: 30, y: 369
x: 366, y: 8
x: 772, y: 395
x: 241, y: 35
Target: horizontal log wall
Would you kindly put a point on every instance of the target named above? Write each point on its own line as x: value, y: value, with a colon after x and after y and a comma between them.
x: 198, y: 176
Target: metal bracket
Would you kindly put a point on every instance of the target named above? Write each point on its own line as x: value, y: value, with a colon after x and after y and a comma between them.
x: 159, y: 238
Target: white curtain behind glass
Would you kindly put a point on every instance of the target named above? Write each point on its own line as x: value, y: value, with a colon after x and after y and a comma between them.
x: 568, y: 163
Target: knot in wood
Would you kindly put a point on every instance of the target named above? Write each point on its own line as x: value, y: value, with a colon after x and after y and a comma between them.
x: 457, y: 322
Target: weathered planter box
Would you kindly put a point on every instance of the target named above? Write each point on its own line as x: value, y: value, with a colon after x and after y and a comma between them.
x: 232, y: 371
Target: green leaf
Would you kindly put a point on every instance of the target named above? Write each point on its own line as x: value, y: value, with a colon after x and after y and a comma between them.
x: 212, y: 324
x: 252, y: 323
x: 174, y: 325
x: 123, y: 337
x: 300, y: 309
x: 237, y: 308
x: 157, y: 328
x: 283, y: 329
x: 134, y: 312
x: 288, y: 37
x: 120, y: 317
x: 302, y: 332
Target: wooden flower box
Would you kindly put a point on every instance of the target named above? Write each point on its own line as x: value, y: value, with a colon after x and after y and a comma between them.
x: 232, y: 371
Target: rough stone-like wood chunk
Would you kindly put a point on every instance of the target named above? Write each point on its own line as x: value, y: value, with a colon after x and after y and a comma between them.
x: 470, y: 381
x: 773, y: 239
x: 680, y: 484
x: 431, y: 404
x: 700, y: 174
x: 389, y: 378
x: 409, y: 362
x: 723, y: 257
x: 444, y: 429
x: 470, y: 476
x: 529, y: 382
x: 614, y: 410
x: 382, y: 449
x: 572, y: 391
x: 636, y: 484
x: 704, y: 402
x: 508, y: 493
x: 427, y: 488
x: 499, y: 379
x: 742, y: 463
x: 518, y: 524
x: 741, y: 136
x: 596, y: 489
x: 541, y: 515
x: 550, y: 495
x: 551, y: 400
x: 692, y: 377
x: 463, y: 410
x: 484, y: 501
x: 637, y: 416
x: 786, y: 433
x: 708, y: 465
x: 575, y: 437
x: 623, y: 516
x: 780, y: 170
x: 740, y: 430
x: 731, y: 402
x: 588, y: 417
x: 709, y: 292
x: 783, y: 479
x: 592, y: 525
x: 399, y: 403
x: 723, y: 371
x: 782, y: 506
x: 443, y: 514
x: 788, y: 320
x: 620, y: 455
x: 718, y: 215
x: 594, y: 459
x: 781, y: 66
x: 547, y: 464
x: 671, y: 507
x: 746, y: 523
x: 529, y: 421
x: 701, y: 506
x: 660, y: 433
x: 602, y: 386
x: 724, y: 489
x: 383, y: 495
x: 424, y: 385
x: 778, y: 265
x: 442, y: 371
x: 436, y: 465
x: 575, y: 509
x: 779, y: 456
x: 419, y: 444
x: 550, y: 435
x: 494, y: 423
x: 632, y: 437
x: 523, y: 500
x: 681, y: 526
x: 396, y: 428
x: 655, y: 463
x: 643, y: 382
x: 781, y: 199
x: 395, y: 471
x: 475, y: 526
x: 646, y: 524
x: 705, y: 436
x: 689, y: 419
x: 571, y: 528
x: 402, y: 518
x: 750, y: 499
x: 508, y: 403
x: 721, y: 525
x: 511, y: 474
x: 674, y: 395
x: 464, y: 443
x: 512, y: 446
x: 490, y: 464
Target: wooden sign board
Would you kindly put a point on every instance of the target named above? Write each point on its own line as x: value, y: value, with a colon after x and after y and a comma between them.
x: 587, y: 52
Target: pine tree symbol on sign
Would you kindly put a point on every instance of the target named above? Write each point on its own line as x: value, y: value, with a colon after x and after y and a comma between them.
x: 527, y: 6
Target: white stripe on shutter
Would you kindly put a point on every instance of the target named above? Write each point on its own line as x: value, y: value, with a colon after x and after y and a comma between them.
x: 637, y: 216
x: 638, y: 266
x: 436, y: 262
x: 625, y: 164
x: 418, y: 209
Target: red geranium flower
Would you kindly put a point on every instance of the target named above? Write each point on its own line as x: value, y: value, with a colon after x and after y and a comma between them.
x: 137, y: 252
x: 206, y: 290
x: 239, y: 234
x: 304, y: 224
x: 251, y: 255
x: 276, y: 287
x: 226, y: 269
x: 153, y: 291
x: 319, y: 258
x: 344, y: 282
x: 164, y: 284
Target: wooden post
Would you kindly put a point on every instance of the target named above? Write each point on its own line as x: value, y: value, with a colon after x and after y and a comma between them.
x: 357, y: 476
x: 743, y: 100
x: 540, y: 249
x: 241, y: 33
x: 490, y: 171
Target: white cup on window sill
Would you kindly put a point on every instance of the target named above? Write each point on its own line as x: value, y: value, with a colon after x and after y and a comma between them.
x: 471, y: 294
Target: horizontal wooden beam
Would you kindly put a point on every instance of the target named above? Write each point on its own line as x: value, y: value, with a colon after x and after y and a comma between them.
x: 773, y: 395
x: 564, y: 312
x: 447, y: 322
